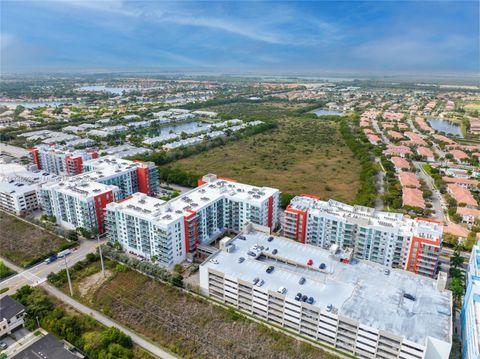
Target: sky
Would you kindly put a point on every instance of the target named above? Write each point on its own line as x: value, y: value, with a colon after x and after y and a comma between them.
x: 306, y: 37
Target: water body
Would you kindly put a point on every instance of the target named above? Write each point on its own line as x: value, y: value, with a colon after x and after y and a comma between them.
x: 101, y: 88
x: 322, y: 112
x: 14, y: 104
x: 447, y: 127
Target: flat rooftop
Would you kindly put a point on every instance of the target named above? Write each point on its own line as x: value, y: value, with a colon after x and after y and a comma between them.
x: 193, y: 200
x: 108, y: 166
x: 360, y: 291
x: 366, y: 216
x: 81, y: 188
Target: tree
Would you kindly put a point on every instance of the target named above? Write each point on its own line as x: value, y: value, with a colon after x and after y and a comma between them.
x: 72, y: 235
x: 456, y: 259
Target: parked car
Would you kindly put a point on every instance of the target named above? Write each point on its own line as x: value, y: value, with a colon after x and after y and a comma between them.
x: 304, y: 298
x: 310, y: 300
x: 298, y: 296
x: 270, y: 269
x: 3, y: 345
x: 282, y: 290
x: 322, y: 266
x: 270, y: 239
x: 250, y: 253
x: 301, y: 280
x: 241, y: 259
x: 255, y: 280
x: 275, y: 251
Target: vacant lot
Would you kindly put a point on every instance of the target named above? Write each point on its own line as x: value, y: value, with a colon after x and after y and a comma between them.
x: 188, y: 326
x: 22, y: 243
x: 302, y: 155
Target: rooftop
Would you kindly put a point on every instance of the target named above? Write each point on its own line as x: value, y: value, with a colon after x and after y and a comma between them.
x: 194, y: 200
x: 361, y: 291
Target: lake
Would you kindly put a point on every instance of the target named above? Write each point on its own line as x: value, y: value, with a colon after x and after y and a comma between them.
x: 14, y: 104
x: 447, y: 127
x: 322, y: 112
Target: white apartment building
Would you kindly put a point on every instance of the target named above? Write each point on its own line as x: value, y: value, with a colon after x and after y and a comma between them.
x: 18, y: 198
x: 386, y: 238
x: 61, y: 160
x: 129, y: 176
x: 470, y: 315
x: 172, y: 230
x: 359, y: 307
x: 78, y: 203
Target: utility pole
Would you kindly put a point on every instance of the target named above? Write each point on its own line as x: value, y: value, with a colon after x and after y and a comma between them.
x: 101, y: 256
x: 38, y: 322
x: 68, y: 277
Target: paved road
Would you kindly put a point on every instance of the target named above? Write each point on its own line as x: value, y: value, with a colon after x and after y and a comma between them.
x: 449, y: 252
x: 377, y: 129
x: 38, y: 274
x: 137, y: 339
x: 437, y: 199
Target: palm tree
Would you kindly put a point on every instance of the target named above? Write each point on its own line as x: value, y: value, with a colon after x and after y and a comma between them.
x: 456, y: 259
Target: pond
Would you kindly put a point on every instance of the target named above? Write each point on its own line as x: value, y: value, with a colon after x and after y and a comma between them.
x: 322, y: 112
x: 447, y: 127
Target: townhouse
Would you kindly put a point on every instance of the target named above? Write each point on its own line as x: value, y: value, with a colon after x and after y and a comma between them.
x: 386, y: 238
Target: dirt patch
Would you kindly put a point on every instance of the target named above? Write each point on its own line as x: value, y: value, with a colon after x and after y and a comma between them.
x: 89, y: 285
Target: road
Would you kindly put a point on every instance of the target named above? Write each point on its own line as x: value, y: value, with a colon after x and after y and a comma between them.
x: 38, y: 274
x: 437, y: 199
x: 137, y: 339
x: 380, y: 132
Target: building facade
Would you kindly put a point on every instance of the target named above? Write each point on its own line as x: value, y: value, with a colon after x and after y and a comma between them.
x: 129, y: 176
x: 61, y: 161
x: 77, y: 203
x: 169, y: 231
x: 18, y: 197
x: 470, y: 315
x: 357, y: 308
x: 386, y: 238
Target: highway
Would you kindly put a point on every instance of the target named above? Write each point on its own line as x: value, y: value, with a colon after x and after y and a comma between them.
x: 38, y: 274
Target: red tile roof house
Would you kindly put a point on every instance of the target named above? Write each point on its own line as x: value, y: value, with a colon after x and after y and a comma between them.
x: 374, y: 139
x: 445, y: 139
x: 462, y: 195
x: 400, y: 164
x: 397, y: 150
x: 469, y: 215
x: 409, y: 179
x: 427, y: 153
x: 415, y: 139
x: 464, y: 182
x: 456, y: 230
x: 423, y: 125
x: 459, y: 156
x: 395, y: 135
x: 413, y: 197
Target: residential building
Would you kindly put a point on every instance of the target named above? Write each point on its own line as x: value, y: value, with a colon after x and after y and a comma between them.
x: 78, y: 203
x: 172, y: 230
x: 48, y: 347
x: 413, y: 197
x: 462, y: 195
x: 357, y: 307
x: 470, y: 315
x: 61, y: 161
x: 12, y: 315
x: 381, y: 237
x: 469, y: 215
x: 18, y: 198
x: 129, y: 176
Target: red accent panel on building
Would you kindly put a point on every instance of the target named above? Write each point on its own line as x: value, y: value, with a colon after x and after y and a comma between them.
x: 200, y: 182
x: 143, y: 180
x: 428, y: 220
x: 101, y: 202
x: 35, y: 157
x: 414, y: 259
x: 93, y: 153
x: 76, y: 163
x: 186, y: 224
x: 299, y: 231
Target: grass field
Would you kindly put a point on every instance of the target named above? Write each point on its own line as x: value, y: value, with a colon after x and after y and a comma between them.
x: 188, y: 326
x: 23, y: 243
x: 302, y: 155
x: 474, y: 106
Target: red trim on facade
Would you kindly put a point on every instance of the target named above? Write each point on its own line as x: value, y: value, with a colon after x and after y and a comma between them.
x: 200, y: 182
x: 35, y: 156
x: 93, y: 153
x: 101, y: 202
x: 413, y: 262
x: 143, y: 175
x: 299, y: 232
x: 75, y: 162
x: 186, y: 225
x: 428, y: 220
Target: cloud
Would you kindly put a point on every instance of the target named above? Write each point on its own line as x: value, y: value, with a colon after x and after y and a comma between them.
x: 411, y: 50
